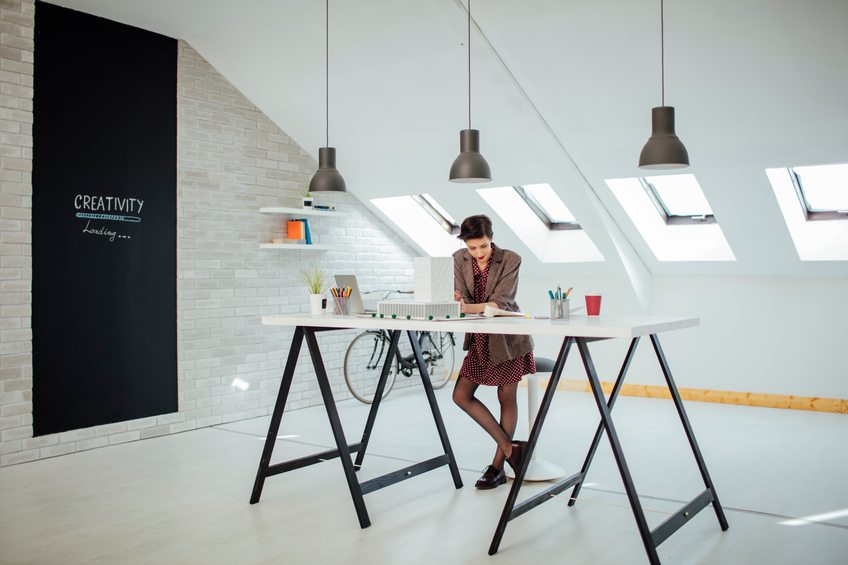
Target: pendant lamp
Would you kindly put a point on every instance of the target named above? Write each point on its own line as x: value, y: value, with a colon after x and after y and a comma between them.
x: 664, y: 150
x: 327, y: 177
x: 469, y: 166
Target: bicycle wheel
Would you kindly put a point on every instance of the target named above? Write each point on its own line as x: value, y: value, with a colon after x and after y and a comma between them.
x: 438, y: 349
x: 363, y: 364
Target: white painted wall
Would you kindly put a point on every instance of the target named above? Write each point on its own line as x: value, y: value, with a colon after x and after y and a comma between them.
x: 781, y: 335
x: 776, y: 335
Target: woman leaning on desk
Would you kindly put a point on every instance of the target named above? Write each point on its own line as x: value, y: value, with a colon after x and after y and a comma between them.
x: 485, y: 274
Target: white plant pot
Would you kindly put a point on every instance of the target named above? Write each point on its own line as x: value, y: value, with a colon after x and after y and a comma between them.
x: 315, y: 304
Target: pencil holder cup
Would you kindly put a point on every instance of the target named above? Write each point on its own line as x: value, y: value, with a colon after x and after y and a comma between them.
x: 340, y: 306
x: 560, y: 309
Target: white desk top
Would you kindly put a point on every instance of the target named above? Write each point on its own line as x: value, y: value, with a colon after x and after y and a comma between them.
x: 577, y: 326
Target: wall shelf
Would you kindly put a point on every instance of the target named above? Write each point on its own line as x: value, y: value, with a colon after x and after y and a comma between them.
x: 297, y: 213
x: 300, y: 211
x: 297, y: 246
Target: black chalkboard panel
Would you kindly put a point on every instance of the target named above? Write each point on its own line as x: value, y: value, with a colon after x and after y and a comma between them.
x: 104, y: 305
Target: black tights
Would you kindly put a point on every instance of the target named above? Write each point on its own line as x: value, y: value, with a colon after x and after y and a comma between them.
x: 501, y: 432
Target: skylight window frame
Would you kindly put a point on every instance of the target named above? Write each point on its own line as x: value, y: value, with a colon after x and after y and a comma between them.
x: 811, y: 214
x: 542, y: 215
x: 446, y: 223
x: 673, y: 219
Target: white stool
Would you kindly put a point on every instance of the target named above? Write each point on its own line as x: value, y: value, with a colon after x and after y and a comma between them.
x: 539, y: 469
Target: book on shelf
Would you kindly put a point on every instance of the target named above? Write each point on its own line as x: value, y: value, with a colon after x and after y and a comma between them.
x: 296, y: 230
x: 307, y: 235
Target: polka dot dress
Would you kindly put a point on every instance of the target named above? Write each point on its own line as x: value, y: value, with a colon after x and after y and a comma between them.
x: 477, y: 366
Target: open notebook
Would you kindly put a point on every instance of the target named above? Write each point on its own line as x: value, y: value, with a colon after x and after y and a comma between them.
x: 492, y: 312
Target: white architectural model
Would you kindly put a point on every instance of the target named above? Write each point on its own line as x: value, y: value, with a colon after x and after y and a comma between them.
x: 433, y: 287
x: 433, y: 279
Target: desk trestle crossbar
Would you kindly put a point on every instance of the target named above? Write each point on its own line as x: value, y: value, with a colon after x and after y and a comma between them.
x: 651, y: 539
x: 343, y: 451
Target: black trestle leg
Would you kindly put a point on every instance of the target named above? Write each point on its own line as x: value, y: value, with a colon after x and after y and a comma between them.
x: 277, y: 415
x: 678, y: 403
x: 434, y: 406
x: 536, y: 430
x: 378, y: 397
x: 336, y: 425
x: 612, y: 435
x: 650, y: 539
x: 599, y: 432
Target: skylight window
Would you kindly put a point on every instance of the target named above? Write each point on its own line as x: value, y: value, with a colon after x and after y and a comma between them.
x: 535, y: 220
x: 679, y: 199
x: 429, y: 204
x: 424, y: 221
x: 822, y: 191
x: 812, y: 193
x: 551, y: 208
x: 673, y: 216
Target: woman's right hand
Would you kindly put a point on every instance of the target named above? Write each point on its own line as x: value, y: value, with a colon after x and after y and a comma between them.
x: 456, y: 296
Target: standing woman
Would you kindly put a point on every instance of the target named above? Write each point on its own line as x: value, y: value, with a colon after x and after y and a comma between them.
x: 485, y: 274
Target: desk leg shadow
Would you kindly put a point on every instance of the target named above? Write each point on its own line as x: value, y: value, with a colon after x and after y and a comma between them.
x: 343, y: 450
x: 651, y: 539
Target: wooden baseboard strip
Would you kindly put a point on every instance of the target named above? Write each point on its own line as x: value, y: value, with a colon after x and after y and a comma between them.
x: 837, y: 405
x: 765, y: 400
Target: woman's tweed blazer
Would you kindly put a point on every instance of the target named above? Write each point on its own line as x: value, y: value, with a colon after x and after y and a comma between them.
x: 501, y: 287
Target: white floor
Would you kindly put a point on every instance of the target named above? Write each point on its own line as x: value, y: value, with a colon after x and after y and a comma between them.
x: 184, y: 498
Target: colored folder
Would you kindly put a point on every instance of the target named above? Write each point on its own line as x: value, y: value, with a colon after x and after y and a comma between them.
x: 296, y: 229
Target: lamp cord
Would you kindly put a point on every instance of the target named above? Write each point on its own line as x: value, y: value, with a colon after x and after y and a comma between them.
x: 327, y: 70
x: 662, y: 53
x: 469, y: 64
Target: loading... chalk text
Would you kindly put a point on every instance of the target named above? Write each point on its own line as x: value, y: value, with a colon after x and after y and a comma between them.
x: 104, y: 231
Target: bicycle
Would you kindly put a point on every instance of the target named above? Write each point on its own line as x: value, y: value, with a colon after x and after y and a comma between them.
x: 366, y: 356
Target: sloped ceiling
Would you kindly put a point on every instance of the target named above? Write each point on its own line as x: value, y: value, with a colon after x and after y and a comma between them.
x: 562, y: 92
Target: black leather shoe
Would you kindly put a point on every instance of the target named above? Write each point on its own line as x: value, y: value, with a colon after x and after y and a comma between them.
x: 491, y: 478
x: 516, y: 458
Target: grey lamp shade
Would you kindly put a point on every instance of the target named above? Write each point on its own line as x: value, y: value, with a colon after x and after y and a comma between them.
x: 327, y: 177
x: 664, y: 150
x: 470, y: 166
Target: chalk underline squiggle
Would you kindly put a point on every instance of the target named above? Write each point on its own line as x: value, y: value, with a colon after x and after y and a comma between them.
x: 114, y: 217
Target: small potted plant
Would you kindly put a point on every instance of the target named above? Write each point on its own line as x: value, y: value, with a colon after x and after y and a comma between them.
x: 307, y: 200
x: 317, y: 283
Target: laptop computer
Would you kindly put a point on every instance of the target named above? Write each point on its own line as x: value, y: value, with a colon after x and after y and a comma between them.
x: 354, y: 301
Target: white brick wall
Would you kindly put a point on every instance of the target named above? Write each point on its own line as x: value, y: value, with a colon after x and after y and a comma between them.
x: 231, y: 161
x: 16, y: 57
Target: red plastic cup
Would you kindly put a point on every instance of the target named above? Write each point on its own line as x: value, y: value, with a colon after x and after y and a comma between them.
x: 593, y: 304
